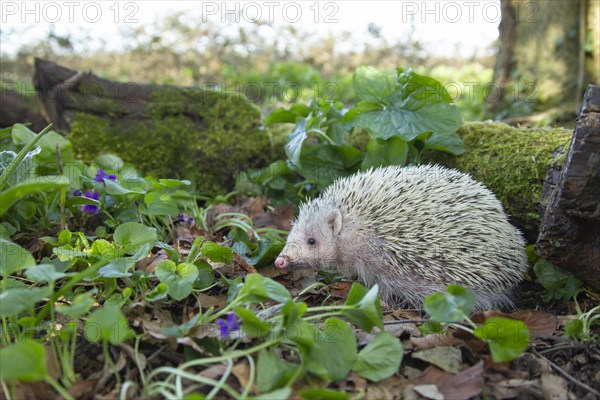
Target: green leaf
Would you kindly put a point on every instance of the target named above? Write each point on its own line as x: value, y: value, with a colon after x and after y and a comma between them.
x: 298, y: 110
x: 448, y: 142
x: 325, y: 163
x: 82, y: 303
x: 507, y: 338
x: 333, y: 352
x: 217, y: 253
x: 261, y: 288
x: 559, y: 284
x: 430, y: 327
x: 367, y: 307
x: 374, y: 85
x: 160, y: 204
x: 14, y: 301
x: 115, y: 188
x: 272, y: 371
x: 44, y: 273
x: 295, y: 139
x: 178, y: 278
x: 13, y: 258
x: 451, y: 307
x: 158, y: 293
x: 41, y: 184
x: 107, y: 323
x: 323, y: 394
x: 380, y: 152
x: 292, y: 311
x: 268, y: 249
x: 109, y: 162
x: 76, y: 201
x: 252, y: 326
x: 132, y: 235
x: 206, y: 275
x: 574, y: 329
x: 416, y: 105
x: 380, y: 359
x: 280, y: 394
x: 117, y: 268
x: 24, y: 361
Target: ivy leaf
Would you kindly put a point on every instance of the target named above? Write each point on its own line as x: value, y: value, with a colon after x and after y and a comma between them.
x: 380, y: 359
x: 24, y: 361
x: 507, y: 338
x: 178, y: 278
x: 451, y: 307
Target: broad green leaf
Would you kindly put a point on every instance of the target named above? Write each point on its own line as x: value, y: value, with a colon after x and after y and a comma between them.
x: 334, y: 351
x: 380, y: 359
x: 324, y: 164
x: 24, y: 361
x: 367, y: 312
x: 103, y: 248
x: 109, y: 162
x: 217, y: 253
x: 64, y: 236
x: 279, y: 394
x: 116, y: 268
x: 115, y: 188
x: 44, y: 184
x: 77, y: 201
x: 178, y: 278
x: 13, y: 258
x: 107, y: 323
x: 448, y: 142
x: 132, y: 235
x: 417, y: 104
x: 14, y: 301
x: 82, y: 303
x: 451, y: 307
x: 380, y: 152
x: 430, y: 327
x: 323, y: 394
x: 262, y: 288
x: 160, y: 204
x: 281, y: 115
x: 206, y: 275
x: 574, y: 329
x: 374, y: 85
x: 272, y: 371
x: 44, y: 273
x: 295, y: 140
x: 252, y: 326
x: 171, y: 183
x: 507, y: 338
x: 559, y: 284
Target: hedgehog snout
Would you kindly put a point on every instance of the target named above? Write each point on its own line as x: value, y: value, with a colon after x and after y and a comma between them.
x: 281, y: 263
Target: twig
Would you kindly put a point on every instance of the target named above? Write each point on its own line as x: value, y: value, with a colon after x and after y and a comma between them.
x: 567, y: 375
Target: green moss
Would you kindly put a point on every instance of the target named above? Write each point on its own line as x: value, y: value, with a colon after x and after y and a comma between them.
x: 208, y: 136
x: 512, y: 162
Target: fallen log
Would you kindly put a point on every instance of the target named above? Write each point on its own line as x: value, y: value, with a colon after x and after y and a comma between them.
x: 165, y: 131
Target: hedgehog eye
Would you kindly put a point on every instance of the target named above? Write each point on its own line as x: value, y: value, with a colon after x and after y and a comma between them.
x: 312, y: 241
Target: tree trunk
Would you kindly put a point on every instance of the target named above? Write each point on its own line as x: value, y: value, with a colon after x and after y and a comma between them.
x: 570, y: 231
x: 547, y: 53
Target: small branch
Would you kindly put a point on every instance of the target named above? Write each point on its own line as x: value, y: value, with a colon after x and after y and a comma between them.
x: 570, y: 377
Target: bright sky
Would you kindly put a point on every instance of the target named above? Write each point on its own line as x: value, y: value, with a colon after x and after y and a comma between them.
x: 442, y: 26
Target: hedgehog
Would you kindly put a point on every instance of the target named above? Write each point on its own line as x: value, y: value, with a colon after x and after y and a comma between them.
x: 412, y: 231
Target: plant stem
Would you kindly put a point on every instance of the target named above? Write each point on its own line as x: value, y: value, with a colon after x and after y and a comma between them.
x: 59, y: 388
x: 17, y: 160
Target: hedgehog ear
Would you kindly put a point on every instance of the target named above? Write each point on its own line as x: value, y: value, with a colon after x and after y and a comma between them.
x: 335, y: 221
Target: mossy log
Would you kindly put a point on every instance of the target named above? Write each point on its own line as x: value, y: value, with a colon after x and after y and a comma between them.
x: 513, y: 162
x: 164, y: 131
x: 570, y: 231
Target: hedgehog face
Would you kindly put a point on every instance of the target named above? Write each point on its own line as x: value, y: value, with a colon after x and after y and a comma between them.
x: 312, y: 242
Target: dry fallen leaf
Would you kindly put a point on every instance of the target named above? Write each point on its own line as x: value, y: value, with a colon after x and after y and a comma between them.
x: 464, y: 385
x: 447, y: 358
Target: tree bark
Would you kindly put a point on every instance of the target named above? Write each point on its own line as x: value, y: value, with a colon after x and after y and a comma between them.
x: 570, y: 231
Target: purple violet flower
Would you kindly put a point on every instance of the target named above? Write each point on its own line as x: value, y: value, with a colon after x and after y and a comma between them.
x: 101, y: 176
x: 90, y: 208
x: 77, y: 192
x: 228, y: 325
